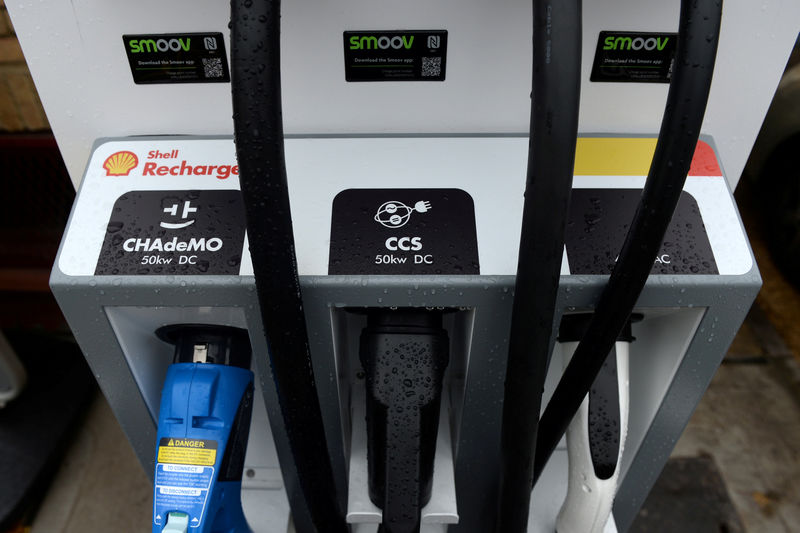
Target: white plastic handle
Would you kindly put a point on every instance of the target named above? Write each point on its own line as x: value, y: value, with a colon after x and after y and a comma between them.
x: 587, y: 506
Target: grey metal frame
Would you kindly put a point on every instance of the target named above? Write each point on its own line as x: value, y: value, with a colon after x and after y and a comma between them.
x: 476, y: 391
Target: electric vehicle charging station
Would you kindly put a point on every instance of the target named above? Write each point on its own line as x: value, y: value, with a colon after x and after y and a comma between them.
x: 157, y: 237
x: 689, y: 320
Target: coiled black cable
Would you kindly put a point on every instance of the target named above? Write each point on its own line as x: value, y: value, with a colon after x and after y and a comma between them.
x: 698, y: 35
x: 551, y: 159
x: 258, y: 131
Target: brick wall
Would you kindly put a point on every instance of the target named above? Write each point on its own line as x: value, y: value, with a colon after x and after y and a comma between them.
x: 20, y: 107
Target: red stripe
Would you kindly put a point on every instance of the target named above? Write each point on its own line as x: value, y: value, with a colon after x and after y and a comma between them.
x: 704, y: 162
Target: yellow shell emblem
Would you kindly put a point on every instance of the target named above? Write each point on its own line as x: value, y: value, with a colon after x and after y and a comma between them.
x: 120, y: 163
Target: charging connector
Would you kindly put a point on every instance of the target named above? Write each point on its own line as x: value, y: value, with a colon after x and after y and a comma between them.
x: 203, y: 427
x: 404, y: 353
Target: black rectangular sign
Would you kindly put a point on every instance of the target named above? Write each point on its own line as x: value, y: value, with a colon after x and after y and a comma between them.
x: 634, y: 57
x: 598, y: 223
x: 174, y: 232
x: 410, y: 55
x: 403, y: 231
x: 177, y: 58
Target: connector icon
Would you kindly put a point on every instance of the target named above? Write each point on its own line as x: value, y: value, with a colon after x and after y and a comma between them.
x: 422, y: 206
x: 395, y: 214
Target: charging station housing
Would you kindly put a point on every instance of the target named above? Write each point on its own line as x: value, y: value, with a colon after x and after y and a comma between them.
x: 705, y: 282
x: 138, y: 149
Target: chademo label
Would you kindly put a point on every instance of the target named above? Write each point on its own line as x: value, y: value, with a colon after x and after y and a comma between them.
x: 174, y: 232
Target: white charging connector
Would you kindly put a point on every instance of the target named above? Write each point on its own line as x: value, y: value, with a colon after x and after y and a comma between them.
x: 590, y: 495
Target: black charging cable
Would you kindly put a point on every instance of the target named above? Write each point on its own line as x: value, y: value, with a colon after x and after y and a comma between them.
x: 680, y: 128
x: 551, y: 161
x: 404, y: 353
x: 258, y: 133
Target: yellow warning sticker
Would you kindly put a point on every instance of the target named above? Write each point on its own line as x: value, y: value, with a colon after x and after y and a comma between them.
x: 187, y: 451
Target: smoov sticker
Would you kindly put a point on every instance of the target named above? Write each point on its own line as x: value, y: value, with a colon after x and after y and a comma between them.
x: 410, y: 55
x: 634, y: 57
x: 177, y: 58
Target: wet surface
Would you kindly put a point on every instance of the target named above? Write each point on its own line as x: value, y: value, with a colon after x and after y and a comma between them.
x: 690, y: 496
x: 747, y: 425
x: 599, y: 221
x: 604, y: 428
x: 748, y: 422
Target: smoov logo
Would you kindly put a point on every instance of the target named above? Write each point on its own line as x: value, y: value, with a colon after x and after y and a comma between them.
x: 635, y: 43
x: 370, y: 42
x: 161, y: 45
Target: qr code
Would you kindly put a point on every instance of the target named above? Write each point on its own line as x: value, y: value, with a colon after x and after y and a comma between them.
x: 213, y: 67
x: 431, y: 67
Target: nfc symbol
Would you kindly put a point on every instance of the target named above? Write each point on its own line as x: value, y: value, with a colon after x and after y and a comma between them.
x: 210, y: 42
x: 434, y: 41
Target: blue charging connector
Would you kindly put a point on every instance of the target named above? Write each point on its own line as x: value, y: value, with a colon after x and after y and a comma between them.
x: 203, y: 425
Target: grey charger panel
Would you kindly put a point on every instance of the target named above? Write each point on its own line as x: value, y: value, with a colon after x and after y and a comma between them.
x: 689, y: 321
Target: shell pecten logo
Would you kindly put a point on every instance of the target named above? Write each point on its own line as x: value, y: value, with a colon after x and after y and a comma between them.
x: 120, y: 163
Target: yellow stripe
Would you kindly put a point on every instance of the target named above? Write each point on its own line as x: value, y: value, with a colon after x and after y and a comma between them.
x: 614, y: 156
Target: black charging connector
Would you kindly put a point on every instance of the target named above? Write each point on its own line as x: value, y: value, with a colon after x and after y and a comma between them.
x: 404, y: 353
x: 604, y: 417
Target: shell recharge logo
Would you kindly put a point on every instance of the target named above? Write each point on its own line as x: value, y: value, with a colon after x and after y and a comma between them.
x: 120, y: 163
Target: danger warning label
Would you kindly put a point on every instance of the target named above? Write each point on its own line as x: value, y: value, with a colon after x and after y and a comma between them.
x: 187, y: 451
